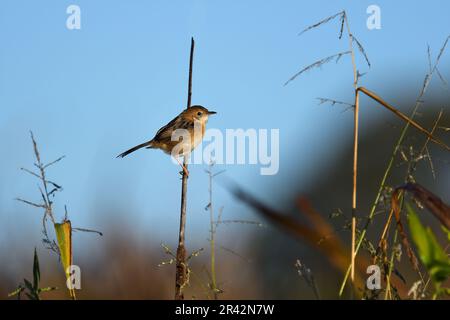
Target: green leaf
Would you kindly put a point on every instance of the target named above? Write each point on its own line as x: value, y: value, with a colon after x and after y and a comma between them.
x: 32, y: 292
x: 446, y: 231
x: 430, y: 252
x: 28, y: 285
x: 48, y: 289
x: 36, y: 271
x: 16, y: 292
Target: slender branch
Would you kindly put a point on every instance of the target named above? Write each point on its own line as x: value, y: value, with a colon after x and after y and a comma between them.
x: 88, y: 230
x: 181, y: 275
x: 355, y: 146
x: 403, y: 117
x: 322, y: 22
x: 318, y: 64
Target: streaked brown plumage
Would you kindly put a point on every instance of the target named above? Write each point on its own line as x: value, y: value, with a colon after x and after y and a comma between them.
x: 188, y: 119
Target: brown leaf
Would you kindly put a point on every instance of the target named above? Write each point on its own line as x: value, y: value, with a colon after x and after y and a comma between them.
x: 432, y: 202
x: 396, y: 207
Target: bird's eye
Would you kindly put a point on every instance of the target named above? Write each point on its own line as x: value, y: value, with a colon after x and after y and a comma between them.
x: 199, y: 113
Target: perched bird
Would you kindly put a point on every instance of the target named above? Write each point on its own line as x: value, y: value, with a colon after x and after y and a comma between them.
x: 193, y: 120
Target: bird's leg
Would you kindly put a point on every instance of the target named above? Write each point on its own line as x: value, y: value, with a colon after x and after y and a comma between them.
x: 185, y: 170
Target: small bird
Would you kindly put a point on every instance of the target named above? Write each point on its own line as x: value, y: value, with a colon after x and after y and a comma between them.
x: 192, y: 119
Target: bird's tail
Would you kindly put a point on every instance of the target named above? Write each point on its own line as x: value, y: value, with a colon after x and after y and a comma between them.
x: 148, y: 144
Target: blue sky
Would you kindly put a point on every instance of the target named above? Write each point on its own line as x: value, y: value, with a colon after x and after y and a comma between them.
x: 90, y: 94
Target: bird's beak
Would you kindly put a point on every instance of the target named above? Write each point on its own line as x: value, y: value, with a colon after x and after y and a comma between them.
x: 211, y: 112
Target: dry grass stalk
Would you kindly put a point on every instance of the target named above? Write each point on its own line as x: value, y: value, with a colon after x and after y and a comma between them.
x: 181, y: 274
x: 47, y: 190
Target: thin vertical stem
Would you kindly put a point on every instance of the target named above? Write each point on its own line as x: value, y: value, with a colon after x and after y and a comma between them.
x: 355, y: 175
x: 191, y: 63
x: 355, y: 147
x: 181, y: 267
x: 212, y: 237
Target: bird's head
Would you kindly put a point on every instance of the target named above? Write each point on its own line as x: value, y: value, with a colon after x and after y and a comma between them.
x: 198, y: 113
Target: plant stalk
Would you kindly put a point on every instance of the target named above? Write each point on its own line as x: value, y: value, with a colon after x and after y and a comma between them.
x: 181, y: 266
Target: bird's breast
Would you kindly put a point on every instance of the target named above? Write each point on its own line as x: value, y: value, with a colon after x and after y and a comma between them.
x: 197, y: 136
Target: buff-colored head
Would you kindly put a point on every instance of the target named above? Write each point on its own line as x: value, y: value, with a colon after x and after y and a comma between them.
x: 197, y: 113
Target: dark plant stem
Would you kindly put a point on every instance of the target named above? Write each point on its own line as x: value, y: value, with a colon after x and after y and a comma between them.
x: 181, y: 266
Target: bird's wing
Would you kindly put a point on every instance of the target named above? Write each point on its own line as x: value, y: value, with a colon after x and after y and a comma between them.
x: 176, y: 123
x: 166, y: 131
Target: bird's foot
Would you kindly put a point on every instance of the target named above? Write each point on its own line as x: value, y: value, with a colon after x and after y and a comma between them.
x: 184, y: 171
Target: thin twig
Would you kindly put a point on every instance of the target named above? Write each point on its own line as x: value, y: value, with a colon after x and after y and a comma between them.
x: 404, y: 117
x: 181, y: 276
x: 88, y: 230
x: 334, y: 102
x: 361, y: 49
x: 319, y: 63
x: 355, y: 147
x: 323, y: 22
x: 236, y: 254
x: 307, y: 274
x: 45, y: 193
x: 31, y: 203
x: 425, y: 148
x: 259, y: 224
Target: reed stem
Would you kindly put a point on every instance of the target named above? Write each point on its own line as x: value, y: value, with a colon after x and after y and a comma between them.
x: 181, y: 266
